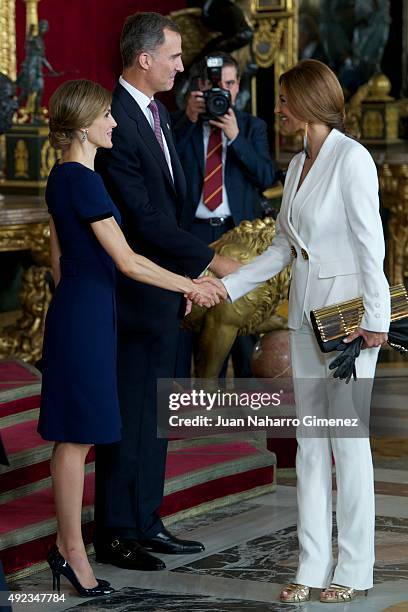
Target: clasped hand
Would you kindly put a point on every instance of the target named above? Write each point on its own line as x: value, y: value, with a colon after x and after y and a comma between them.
x: 208, y: 292
x: 371, y: 339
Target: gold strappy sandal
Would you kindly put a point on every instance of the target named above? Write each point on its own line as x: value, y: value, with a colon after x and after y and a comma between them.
x: 296, y: 593
x: 336, y: 593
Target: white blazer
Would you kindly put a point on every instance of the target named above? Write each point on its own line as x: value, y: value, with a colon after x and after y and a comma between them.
x: 334, y: 217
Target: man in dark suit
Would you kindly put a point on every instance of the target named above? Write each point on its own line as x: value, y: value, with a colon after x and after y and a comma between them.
x: 145, y: 179
x: 245, y: 170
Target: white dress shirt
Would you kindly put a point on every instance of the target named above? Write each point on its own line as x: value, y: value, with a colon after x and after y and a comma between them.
x: 143, y: 101
x: 223, y: 210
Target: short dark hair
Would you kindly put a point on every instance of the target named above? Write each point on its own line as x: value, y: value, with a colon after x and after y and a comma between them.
x: 200, y: 70
x: 143, y: 32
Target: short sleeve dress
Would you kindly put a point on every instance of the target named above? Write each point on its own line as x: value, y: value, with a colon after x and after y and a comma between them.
x: 79, y: 400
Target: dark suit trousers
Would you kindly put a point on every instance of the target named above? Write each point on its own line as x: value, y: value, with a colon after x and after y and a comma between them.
x: 128, y: 498
x: 241, y: 352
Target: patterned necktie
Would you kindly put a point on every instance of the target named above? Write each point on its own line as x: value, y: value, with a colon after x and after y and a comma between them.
x: 212, y: 192
x: 156, y: 121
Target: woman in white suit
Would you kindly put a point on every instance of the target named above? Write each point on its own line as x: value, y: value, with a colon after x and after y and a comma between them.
x: 330, y: 230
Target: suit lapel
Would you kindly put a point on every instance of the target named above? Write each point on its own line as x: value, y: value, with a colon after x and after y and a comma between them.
x: 146, y: 133
x: 317, y: 171
x: 178, y: 174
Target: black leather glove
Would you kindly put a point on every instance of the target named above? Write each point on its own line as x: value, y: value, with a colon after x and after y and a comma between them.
x: 345, y: 364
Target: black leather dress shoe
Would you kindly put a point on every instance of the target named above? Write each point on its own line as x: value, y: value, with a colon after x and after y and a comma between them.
x: 165, y: 542
x: 128, y: 554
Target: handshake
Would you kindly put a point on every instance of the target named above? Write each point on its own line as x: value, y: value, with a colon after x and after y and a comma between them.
x: 208, y: 292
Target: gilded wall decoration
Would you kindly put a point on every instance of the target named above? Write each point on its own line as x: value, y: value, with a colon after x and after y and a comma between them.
x: 21, y: 159
x: 8, y: 38
x: 48, y: 159
x: 394, y: 191
x: 267, y: 40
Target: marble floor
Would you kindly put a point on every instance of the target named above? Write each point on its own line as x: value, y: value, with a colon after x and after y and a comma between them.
x: 251, y: 547
x: 251, y: 550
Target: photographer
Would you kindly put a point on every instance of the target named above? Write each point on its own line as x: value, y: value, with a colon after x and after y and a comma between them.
x: 226, y: 162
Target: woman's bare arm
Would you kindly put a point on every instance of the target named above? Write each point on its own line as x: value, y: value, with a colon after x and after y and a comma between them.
x: 142, y: 269
x: 55, y: 253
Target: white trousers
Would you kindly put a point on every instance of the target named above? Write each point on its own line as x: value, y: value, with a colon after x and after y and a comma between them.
x: 355, y: 512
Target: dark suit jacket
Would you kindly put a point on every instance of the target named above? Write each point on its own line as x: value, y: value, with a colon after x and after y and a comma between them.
x: 137, y: 177
x: 248, y: 167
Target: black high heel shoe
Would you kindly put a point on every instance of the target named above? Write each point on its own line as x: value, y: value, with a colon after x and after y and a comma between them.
x: 59, y: 566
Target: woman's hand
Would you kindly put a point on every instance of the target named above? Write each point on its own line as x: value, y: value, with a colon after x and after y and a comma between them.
x: 215, y: 282
x: 371, y: 339
x: 207, y: 293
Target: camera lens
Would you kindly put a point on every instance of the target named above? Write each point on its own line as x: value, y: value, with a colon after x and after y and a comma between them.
x: 218, y: 104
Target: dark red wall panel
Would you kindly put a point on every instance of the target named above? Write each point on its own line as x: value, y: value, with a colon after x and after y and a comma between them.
x: 83, y: 39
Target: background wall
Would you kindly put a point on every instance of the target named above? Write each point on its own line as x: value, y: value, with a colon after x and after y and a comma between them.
x: 83, y: 39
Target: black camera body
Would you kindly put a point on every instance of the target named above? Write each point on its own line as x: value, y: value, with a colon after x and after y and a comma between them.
x: 217, y: 100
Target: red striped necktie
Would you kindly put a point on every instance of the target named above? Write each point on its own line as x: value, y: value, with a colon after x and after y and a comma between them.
x: 156, y: 122
x: 212, y: 192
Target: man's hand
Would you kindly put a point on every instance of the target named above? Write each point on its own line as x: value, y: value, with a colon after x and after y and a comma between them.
x: 195, y: 105
x: 222, y: 265
x: 227, y: 123
x: 371, y: 338
x: 189, y: 305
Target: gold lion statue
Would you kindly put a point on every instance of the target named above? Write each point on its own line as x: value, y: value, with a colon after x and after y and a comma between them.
x: 254, y: 313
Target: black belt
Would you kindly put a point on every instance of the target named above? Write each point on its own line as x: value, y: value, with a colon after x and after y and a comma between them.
x: 215, y: 221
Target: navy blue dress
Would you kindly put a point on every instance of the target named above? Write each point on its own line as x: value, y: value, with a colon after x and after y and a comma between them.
x: 79, y: 400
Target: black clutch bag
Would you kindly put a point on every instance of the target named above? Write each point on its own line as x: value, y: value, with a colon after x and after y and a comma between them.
x: 332, y: 324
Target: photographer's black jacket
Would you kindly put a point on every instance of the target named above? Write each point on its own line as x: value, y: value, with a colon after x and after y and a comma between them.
x: 249, y: 169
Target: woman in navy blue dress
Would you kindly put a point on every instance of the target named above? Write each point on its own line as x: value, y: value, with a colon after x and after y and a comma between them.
x: 79, y: 403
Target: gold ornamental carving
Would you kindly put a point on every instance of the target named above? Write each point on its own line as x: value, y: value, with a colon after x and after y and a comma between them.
x: 254, y: 313
x: 194, y: 33
x: 48, y: 159
x: 394, y: 191
x: 379, y: 113
x: 24, y: 339
x: 21, y: 159
x: 31, y: 15
x: 267, y: 40
x: 373, y: 124
x: 8, y: 38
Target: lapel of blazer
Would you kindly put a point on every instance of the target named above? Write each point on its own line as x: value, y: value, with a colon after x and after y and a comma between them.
x: 289, y: 193
x: 144, y: 128
x: 309, y: 184
x: 317, y: 171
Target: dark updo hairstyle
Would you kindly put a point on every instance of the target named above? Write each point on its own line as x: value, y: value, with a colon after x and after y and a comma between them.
x: 314, y: 94
x: 73, y: 106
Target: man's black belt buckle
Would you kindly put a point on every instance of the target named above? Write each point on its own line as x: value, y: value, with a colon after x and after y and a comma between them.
x: 214, y: 221
x: 217, y: 221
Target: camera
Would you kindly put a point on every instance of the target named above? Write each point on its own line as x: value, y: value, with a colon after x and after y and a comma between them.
x: 217, y: 100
